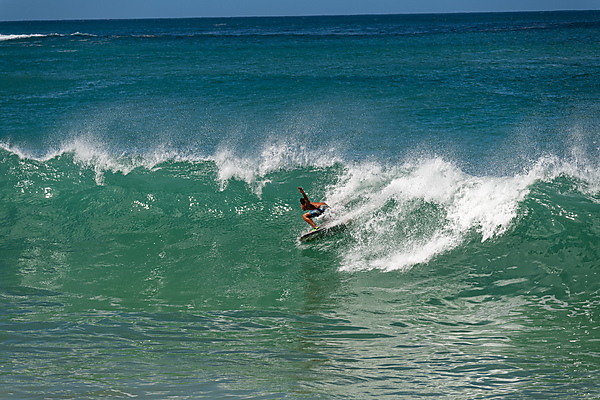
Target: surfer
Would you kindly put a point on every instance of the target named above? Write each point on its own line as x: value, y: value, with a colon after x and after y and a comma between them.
x: 314, y: 209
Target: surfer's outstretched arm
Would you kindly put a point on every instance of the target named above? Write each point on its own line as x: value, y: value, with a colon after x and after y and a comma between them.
x: 304, y: 194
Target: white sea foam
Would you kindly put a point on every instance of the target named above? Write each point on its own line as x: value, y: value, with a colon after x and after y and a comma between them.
x: 409, y: 214
x: 25, y: 36
x: 40, y: 35
x: 83, y: 34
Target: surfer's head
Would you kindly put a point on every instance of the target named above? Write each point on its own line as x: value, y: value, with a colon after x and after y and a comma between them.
x: 303, y: 203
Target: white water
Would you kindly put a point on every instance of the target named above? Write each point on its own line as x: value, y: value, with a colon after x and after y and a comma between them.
x: 409, y: 214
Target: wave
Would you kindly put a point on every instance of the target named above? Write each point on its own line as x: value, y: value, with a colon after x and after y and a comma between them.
x: 83, y: 34
x: 402, y: 215
x: 274, y: 155
x: 4, y: 38
x: 410, y: 214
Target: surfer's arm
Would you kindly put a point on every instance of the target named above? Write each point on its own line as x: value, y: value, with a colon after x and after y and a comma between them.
x: 304, y: 194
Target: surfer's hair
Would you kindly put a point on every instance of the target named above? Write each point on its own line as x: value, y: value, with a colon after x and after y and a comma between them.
x: 302, y: 201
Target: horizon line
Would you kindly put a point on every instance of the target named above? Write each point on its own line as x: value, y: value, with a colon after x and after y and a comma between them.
x: 301, y: 16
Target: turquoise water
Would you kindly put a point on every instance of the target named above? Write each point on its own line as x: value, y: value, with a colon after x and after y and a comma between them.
x: 149, y: 210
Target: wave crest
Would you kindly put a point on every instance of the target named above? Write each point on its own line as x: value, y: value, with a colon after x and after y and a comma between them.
x: 4, y: 38
x: 409, y: 214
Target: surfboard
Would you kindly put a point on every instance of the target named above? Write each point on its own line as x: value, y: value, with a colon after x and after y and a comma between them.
x: 322, y: 231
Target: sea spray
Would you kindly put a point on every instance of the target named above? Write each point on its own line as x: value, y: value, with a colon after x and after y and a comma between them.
x: 281, y: 155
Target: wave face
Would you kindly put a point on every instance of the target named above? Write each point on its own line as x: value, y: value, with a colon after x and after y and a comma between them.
x: 149, y: 213
x: 401, y: 215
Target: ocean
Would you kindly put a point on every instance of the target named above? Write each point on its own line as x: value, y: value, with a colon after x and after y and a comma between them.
x: 150, y: 215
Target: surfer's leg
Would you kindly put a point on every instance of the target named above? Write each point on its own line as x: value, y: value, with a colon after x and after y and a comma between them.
x: 306, y: 217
